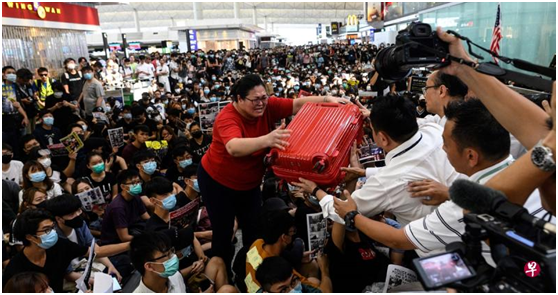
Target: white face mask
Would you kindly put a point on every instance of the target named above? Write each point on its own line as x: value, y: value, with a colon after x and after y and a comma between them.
x: 58, y: 94
x: 71, y: 66
x: 45, y: 162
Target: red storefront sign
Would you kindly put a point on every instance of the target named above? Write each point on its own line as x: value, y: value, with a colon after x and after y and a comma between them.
x: 51, y: 11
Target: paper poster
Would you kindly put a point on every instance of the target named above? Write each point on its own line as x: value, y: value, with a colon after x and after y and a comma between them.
x: 57, y: 150
x: 116, y: 137
x: 185, y: 216
x: 101, y: 117
x: 208, y: 112
x: 398, y: 275
x: 91, y: 197
x: 417, y: 83
x: 317, y: 230
x: 72, y: 142
x: 83, y: 282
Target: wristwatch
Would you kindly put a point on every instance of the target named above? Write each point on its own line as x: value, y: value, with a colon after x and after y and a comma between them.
x: 541, y: 156
x: 350, y: 220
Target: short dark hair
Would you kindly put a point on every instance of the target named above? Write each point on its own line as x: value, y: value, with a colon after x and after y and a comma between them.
x: 44, y: 112
x: 142, y: 128
x: 68, y: 60
x: 42, y: 69
x: 4, y: 69
x: 24, y: 74
x: 63, y: 205
x: 475, y: 127
x: 180, y: 150
x: 273, y: 270
x: 81, y: 59
x: 158, y: 186
x: 194, y: 124
x: 8, y: 147
x: 72, y: 126
x: 244, y: 85
x: 454, y: 85
x: 394, y: 115
x: 138, y: 111
x: 190, y: 171
x: 87, y: 69
x: 26, y: 282
x: 143, y: 247
x: 126, y: 175
x: 276, y: 224
x: 27, y: 223
x: 142, y: 156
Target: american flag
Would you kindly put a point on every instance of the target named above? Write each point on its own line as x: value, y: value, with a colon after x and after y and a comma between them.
x: 497, y: 34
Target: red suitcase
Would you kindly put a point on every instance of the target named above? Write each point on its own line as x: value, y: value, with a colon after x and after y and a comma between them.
x: 319, y: 145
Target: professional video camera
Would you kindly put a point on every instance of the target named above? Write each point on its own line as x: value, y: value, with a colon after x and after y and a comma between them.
x: 419, y: 46
x: 522, y: 246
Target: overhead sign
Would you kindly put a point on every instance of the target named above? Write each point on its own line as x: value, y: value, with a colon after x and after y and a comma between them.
x: 335, y: 28
x: 58, y: 12
x: 372, y: 31
x: 193, y: 40
x: 352, y: 23
x: 134, y: 45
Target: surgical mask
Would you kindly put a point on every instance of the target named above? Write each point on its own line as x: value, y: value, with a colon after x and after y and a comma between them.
x: 297, y: 289
x: 206, y: 91
x: 214, y: 99
x: 127, y: 116
x: 185, y: 163
x: 177, y: 90
x: 58, y: 94
x: 191, y: 111
x: 135, y: 189
x: 74, y: 223
x: 45, y: 162
x: 11, y: 77
x: 48, y: 240
x: 37, y: 176
x: 88, y: 76
x: 171, y: 267
x: 99, y: 168
x: 150, y: 167
x: 196, y: 186
x: 84, y: 127
x: 169, y: 202
x: 71, y: 66
x: 49, y: 121
x: 296, y: 87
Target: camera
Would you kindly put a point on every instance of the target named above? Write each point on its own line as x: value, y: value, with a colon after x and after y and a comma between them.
x: 415, y: 46
x: 516, y: 248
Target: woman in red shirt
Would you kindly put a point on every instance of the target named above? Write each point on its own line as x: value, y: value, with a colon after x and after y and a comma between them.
x: 232, y: 170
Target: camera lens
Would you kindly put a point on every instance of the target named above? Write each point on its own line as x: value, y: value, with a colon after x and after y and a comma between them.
x: 388, y: 62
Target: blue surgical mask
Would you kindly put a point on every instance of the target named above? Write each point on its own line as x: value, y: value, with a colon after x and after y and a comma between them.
x: 48, y: 240
x: 206, y: 91
x: 296, y: 87
x: 185, y: 163
x: 37, y: 176
x: 150, y: 167
x: 11, y: 77
x: 191, y: 111
x: 214, y: 99
x: 169, y: 202
x: 88, y: 76
x: 297, y: 289
x: 127, y: 116
x: 49, y: 121
x: 196, y: 186
x: 135, y: 189
x: 171, y: 267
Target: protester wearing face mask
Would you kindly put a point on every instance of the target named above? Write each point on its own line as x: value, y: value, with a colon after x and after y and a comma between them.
x: 36, y: 229
x: 32, y: 198
x: 14, y: 116
x: 126, y: 214
x: 106, y: 181
x: 46, y: 133
x: 93, y: 92
x: 70, y: 226
x: 34, y: 175
x: 72, y: 79
x: 61, y: 106
x: 11, y: 169
x: 276, y: 276
x: 52, y: 171
x: 182, y: 160
x: 127, y: 120
x: 199, y: 144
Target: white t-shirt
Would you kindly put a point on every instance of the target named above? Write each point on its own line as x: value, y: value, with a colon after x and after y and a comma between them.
x: 55, y: 191
x: 14, y: 172
x: 146, y: 68
x: 175, y: 285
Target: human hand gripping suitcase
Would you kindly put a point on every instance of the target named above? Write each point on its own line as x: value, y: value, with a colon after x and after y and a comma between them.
x: 319, y: 145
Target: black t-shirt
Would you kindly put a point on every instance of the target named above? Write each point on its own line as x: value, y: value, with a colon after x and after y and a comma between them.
x: 75, y: 84
x: 198, y: 150
x: 176, y: 176
x: 126, y: 126
x: 47, y: 137
x: 359, y: 266
x: 63, y: 116
x: 105, y: 185
x: 121, y: 214
x: 58, y: 258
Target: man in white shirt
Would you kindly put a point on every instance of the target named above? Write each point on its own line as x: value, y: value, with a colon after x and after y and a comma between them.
x: 11, y: 169
x: 411, y: 154
x: 145, y: 69
x: 477, y: 146
x: 440, y: 89
x: 163, y: 73
x: 153, y: 257
x: 174, y: 68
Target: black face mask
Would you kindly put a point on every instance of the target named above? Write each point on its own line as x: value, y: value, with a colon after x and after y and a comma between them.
x: 6, y: 159
x: 197, y: 134
x: 41, y: 205
x: 422, y: 103
x: 74, y: 223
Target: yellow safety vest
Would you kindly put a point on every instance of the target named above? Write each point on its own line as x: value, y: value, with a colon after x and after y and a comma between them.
x: 44, y: 92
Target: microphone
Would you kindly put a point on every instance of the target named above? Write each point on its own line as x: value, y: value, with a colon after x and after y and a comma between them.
x: 481, y: 199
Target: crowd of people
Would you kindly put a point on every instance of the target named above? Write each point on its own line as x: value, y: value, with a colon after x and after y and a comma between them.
x: 204, y: 213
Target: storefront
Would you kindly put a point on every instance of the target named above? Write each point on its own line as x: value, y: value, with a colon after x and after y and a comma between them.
x: 43, y: 34
x: 219, y: 37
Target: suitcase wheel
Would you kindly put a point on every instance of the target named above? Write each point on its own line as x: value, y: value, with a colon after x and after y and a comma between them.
x: 320, y: 166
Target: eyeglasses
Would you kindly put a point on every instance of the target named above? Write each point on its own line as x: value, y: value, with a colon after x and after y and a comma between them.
x: 169, y: 254
x: 424, y: 89
x: 134, y: 183
x: 258, y: 100
x: 43, y: 75
x: 294, y: 281
x: 47, y: 230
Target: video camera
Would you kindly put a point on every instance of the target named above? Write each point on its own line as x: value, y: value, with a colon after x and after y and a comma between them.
x: 419, y: 46
x: 522, y: 246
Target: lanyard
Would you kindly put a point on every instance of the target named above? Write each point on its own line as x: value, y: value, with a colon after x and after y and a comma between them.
x: 409, y: 148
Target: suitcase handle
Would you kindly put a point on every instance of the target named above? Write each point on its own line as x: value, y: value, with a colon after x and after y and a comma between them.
x: 330, y: 105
